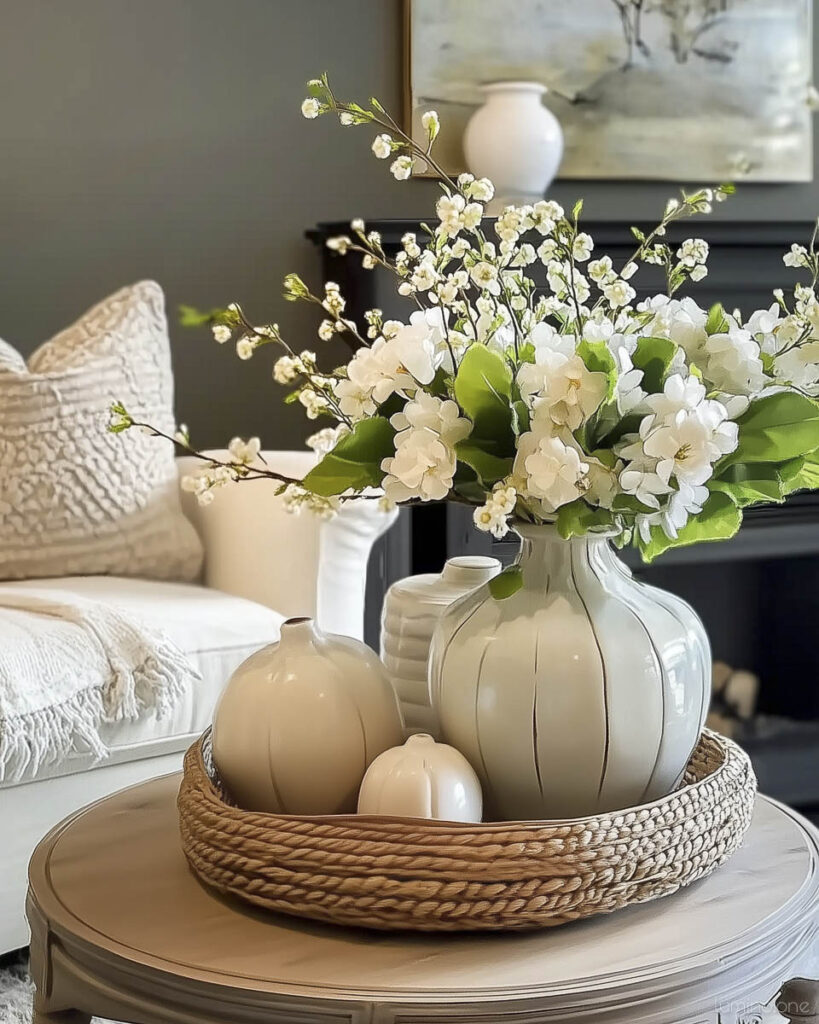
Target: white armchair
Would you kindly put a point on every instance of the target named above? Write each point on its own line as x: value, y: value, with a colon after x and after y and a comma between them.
x: 262, y: 565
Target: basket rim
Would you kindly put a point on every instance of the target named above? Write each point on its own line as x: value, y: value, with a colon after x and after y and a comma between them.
x: 731, y: 753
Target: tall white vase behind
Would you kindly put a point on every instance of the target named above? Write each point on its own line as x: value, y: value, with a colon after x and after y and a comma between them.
x: 345, y: 543
x: 515, y: 141
x: 297, y: 564
x: 584, y: 691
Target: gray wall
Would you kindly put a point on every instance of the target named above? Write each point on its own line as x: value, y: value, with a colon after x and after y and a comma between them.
x: 162, y: 138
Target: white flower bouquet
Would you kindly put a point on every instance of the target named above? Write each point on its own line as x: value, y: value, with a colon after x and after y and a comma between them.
x: 657, y: 422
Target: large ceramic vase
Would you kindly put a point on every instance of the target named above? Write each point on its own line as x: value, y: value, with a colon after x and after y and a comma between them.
x: 515, y: 141
x: 584, y: 691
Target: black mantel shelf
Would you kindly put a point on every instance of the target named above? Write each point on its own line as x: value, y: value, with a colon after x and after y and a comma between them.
x: 719, y: 233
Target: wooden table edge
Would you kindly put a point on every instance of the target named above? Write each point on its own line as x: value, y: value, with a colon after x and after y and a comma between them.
x: 78, y: 944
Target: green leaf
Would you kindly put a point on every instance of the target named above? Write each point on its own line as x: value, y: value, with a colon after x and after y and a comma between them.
x: 654, y: 356
x: 526, y: 353
x: 776, y: 428
x: 628, y: 503
x: 483, y: 389
x: 391, y: 405
x: 520, y: 416
x: 746, y: 484
x: 716, y: 322
x: 489, y: 466
x: 577, y: 209
x: 295, y: 288
x: 598, y: 359
x: 720, y: 519
x: 506, y: 583
x: 190, y: 316
x: 801, y: 474
x: 355, y: 462
x: 791, y: 469
x: 465, y: 482
x: 629, y: 424
x: 439, y: 385
x: 471, y: 490
x: 577, y: 518
x: 606, y: 456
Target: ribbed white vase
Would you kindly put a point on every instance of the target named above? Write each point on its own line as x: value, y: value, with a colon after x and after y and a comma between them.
x: 584, y: 691
x: 411, y: 612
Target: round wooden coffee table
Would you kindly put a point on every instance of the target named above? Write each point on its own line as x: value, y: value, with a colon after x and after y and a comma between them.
x: 121, y: 929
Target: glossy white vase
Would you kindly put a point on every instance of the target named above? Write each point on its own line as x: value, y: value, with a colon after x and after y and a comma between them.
x: 422, y: 779
x: 296, y: 564
x: 301, y: 720
x: 584, y: 691
x: 515, y: 141
x: 411, y: 612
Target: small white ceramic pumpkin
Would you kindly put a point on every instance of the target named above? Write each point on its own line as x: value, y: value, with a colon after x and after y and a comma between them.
x: 301, y: 720
x: 422, y: 779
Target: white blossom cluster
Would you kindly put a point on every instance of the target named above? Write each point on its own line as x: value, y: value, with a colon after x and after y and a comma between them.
x: 531, y: 381
x: 476, y: 294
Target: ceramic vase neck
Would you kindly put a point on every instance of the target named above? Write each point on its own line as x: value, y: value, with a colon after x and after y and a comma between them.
x: 529, y: 93
x: 546, y: 558
x: 469, y: 570
x: 298, y: 632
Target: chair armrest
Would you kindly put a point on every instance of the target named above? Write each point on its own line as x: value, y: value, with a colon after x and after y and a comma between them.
x: 253, y: 547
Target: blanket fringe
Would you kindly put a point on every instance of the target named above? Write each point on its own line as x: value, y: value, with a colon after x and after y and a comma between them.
x: 140, y: 670
x: 36, y: 740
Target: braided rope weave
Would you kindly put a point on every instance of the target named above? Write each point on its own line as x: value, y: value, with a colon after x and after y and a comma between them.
x: 399, y: 873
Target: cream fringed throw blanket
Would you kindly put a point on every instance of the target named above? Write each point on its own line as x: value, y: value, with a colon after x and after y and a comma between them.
x: 68, y: 664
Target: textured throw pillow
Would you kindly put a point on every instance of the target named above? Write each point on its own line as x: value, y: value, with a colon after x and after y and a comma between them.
x: 76, y: 499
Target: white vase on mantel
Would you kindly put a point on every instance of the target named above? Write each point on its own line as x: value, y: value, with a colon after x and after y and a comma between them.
x: 411, y: 612
x: 515, y: 141
x: 584, y: 691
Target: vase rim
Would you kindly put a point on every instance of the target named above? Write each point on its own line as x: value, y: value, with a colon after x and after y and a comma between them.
x: 298, y: 628
x: 464, y: 568
x: 513, y: 85
x: 539, y: 529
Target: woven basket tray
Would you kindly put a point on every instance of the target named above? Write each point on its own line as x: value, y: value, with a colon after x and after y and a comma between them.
x: 401, y: 873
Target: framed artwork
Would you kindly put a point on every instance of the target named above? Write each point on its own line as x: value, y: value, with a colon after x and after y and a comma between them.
x: 675, y: 90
